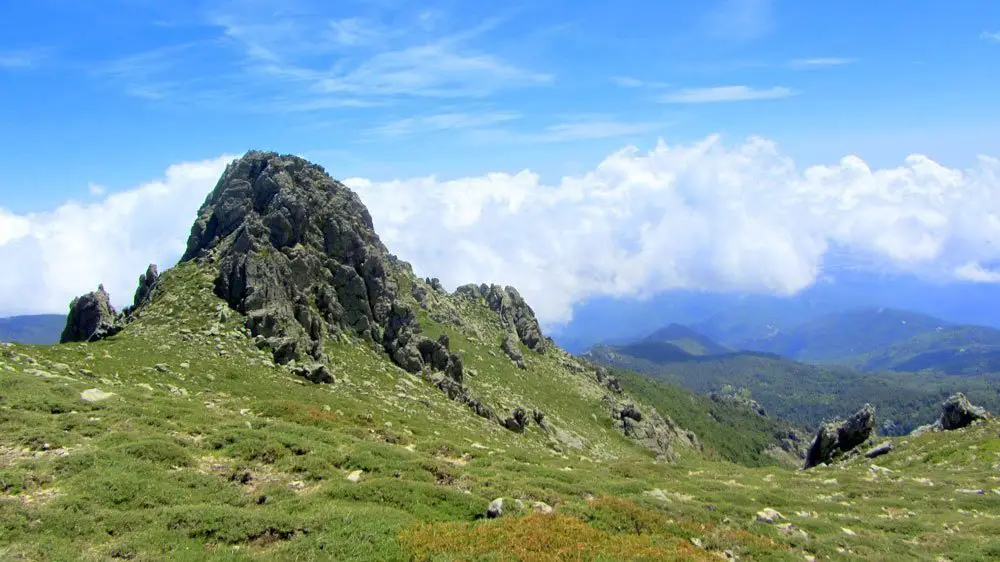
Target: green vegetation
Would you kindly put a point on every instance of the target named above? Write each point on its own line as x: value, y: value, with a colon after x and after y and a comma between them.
x: 687, y: 340
x: 806, y: 395
x: 726, y: 430
x: 205, y: 450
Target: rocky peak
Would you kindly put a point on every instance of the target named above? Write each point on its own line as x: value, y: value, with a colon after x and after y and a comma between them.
x: 297, y: 254
x: 91, y: 318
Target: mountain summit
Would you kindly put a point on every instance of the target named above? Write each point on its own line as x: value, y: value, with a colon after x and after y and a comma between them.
x: 297, y: 253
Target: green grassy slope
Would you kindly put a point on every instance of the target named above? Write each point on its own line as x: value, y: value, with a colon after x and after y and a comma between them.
x: 206, y: 451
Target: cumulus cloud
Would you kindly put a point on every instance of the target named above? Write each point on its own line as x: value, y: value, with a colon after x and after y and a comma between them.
x: 706, y: 215
x: 51, y: 257
x: 709, y: 215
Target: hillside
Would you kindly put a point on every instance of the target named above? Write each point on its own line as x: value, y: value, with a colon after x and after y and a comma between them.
x: 291, y: 391
x: 834, y: 337
x: 806, y: 394
x: 41, y: 329
x: 887, y: 340
x: 687, y: 340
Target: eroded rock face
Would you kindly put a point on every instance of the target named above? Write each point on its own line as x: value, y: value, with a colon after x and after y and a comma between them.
x: 297, y: 254
x: 957, y: 412
x: 513, y: 310
x: 147, y: 281
x: 833, y: 439
x: 510, y: 348
x: 649, y: 429
x: 91, y: 318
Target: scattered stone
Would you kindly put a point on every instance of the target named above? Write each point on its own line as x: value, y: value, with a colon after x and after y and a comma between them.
x: 768, y: 515
x: 848, y: 532
x: 976, y: 492
x: 95, y: 395
x: 879, y: 450
x: 316, y: 373
x: 495, y: 509
x: 879, y: 469
x: 542, y: 507
x: 355, y: 476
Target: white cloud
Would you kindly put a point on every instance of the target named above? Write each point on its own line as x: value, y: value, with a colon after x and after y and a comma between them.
x: 96, y: 189
x: 51, y: 257
x: 726, y: 93
x: 976, y: 273
x: 704, y: 215
x: 993, y: 36
x: 821, y: 62
x: 707, y: 215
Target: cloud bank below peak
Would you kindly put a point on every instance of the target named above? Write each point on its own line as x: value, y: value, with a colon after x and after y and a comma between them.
x: 706, y: 215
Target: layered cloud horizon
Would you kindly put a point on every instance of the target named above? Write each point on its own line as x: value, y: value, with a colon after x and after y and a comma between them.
x: 714, y: 215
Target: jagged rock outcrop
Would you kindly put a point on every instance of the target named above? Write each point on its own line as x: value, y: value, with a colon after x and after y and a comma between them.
x: 297, y: 254
x: 649, y: 429
x: 834, y: 439
x: 610, y: 382
x: 91, y: 318
x: 514, y: 312
x: 147, y: 281
x: 517, y: 421
x: 510, y: 347
x: 739, y: 400
x: 957, y: 412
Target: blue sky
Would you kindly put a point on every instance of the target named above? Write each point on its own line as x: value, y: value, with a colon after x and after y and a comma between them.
x: 576, y: 150
x: 113, y: 91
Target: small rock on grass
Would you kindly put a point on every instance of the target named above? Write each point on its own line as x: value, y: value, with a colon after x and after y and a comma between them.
x: 768, y: 515
x: 95, y: 395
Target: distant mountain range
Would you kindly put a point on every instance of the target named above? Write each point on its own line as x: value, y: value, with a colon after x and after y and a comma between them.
x: 807, y: 394
x: 886, y: 339
x: 38, y: 329
x: 732, y: 317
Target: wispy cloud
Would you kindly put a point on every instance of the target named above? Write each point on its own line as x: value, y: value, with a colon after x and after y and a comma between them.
x: 294, y: 60
x: 365, y: 58
x: 627, y: 82
x: 581, y: 128
x: 726, y: 94
x: 993, y: 36
x: 444, y: 122
x: 22, y: 58
x: 631, y: 82
x: 740, y: 20
x: 821, y: 62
